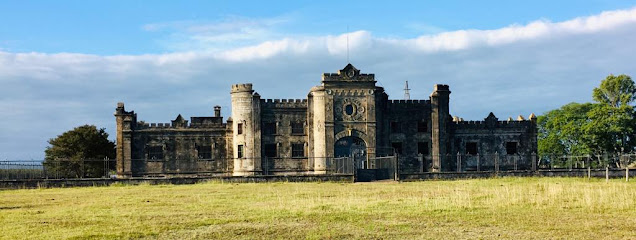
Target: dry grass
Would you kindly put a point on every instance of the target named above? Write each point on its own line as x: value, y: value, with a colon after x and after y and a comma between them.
x: 519, y: 208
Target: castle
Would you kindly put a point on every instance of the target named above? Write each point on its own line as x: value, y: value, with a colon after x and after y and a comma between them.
x: 346, y: 117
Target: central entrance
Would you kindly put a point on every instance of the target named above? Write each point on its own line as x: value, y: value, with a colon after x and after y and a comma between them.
x: 353, y: 147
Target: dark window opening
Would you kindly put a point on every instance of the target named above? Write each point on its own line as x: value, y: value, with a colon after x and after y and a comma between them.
x: 204, y: 152
x: 298, y: 150
x: 471, y: 148
x: 240, y: 151
x: 270, y: 150
x: 395, y: 127
x: 155, y: 152
x: 269, y: 128
x: 422, y: 126
x: 297, y: 128
x: 422, y: 148
x: 511, y: 148
x: 239, y: 128
x: 349, y: 109
x: 397, y: 146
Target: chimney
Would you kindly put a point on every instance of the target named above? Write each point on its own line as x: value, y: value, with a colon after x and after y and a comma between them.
x: 217, y: 111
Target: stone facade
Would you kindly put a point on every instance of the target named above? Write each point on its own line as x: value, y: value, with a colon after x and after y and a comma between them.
x: 346, y: 116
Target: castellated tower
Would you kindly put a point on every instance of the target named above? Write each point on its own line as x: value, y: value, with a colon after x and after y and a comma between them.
x: 125, y: 124
x: 440, y: 118
x: 246, y: 128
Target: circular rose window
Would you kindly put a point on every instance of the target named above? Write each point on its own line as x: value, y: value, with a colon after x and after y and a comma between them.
x: 349, y: 109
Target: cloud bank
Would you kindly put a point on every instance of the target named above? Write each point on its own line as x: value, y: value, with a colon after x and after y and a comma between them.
x: 515, y: 70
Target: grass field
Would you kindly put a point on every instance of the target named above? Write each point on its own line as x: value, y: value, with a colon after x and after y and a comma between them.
x: 520, y: 208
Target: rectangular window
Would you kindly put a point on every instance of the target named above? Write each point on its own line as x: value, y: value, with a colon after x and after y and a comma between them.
x: 298, y: 150
x: 297, y: 128
x: 471, y: 148
x: 269, y: 128
x: 422, y: 148
x: 397, y: 146
x: 239, y: 128
x: 511, y: 148
x: 155, y: 152
x: 204, y: 152
x: 422, y: 126
x: 240, y: 151
x: 270, y: 150
x: 395, y: 127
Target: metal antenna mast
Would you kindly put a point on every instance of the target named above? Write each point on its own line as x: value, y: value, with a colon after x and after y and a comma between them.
x: 407, y: 95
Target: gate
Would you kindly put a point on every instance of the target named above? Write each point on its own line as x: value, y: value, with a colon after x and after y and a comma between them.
x: 383, y: 168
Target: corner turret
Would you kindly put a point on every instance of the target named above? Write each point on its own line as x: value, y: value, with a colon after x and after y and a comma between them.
x: 246, y: 128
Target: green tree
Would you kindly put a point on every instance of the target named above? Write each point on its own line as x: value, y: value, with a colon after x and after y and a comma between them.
x: 561, y: 130
x: 79, y: 153
x: 612, y: 123
x: 606, y: 127
x: 615, y: 91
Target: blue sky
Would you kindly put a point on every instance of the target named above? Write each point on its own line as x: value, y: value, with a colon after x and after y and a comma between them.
x: 68, y: 63
x: 117, y: 27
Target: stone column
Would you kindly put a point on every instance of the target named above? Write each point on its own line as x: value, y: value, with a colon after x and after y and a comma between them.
x: 439, y: 122
x: 319, y: 132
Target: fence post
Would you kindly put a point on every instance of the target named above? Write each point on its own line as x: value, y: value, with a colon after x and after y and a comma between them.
x: 478, y: 163
x: 396, y: 168
x: 264, y: 166
x: 589, y: 167
x: 496, y: 162
x: 533, y: 158
x: 607, y: 173
x: 459, y: 162
x: 626, y: 164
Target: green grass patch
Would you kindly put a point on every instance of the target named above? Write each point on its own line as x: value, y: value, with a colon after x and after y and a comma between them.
x: 486, y: 208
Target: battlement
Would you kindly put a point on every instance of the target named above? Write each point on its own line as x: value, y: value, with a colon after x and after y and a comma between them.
x: 497, y: 124
x: 197, y: 122
x: 244, y: 87
x: 284, y: 103
x: 410, y: 101
x: 491, y: 122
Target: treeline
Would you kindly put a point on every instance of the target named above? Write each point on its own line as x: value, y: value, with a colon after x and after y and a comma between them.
x: 603, y: 127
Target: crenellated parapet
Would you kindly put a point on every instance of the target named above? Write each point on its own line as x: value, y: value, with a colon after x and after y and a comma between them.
x: 283, y: 103
x: 498, y: 124
x: 178, y: 123
x: 409, y: 102
x: 197, y: 122
x: 243, y: 87
x: 491, y: 122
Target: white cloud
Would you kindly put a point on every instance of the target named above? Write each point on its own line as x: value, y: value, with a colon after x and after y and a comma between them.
x: 510, y: 71
x: 231, y: 31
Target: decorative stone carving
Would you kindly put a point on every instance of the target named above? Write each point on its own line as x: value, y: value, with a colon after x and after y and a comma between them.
x: 349, y: 109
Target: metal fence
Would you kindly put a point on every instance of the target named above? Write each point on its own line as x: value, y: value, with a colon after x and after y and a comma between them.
x: 514, y: 162
x: 105, y: 168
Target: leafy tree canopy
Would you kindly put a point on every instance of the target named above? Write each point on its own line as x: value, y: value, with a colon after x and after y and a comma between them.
x: 607, y: 126
x: 615, y: 91
x: 70, y: 154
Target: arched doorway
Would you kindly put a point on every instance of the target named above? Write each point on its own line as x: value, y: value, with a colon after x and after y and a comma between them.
x: 353, y: 147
